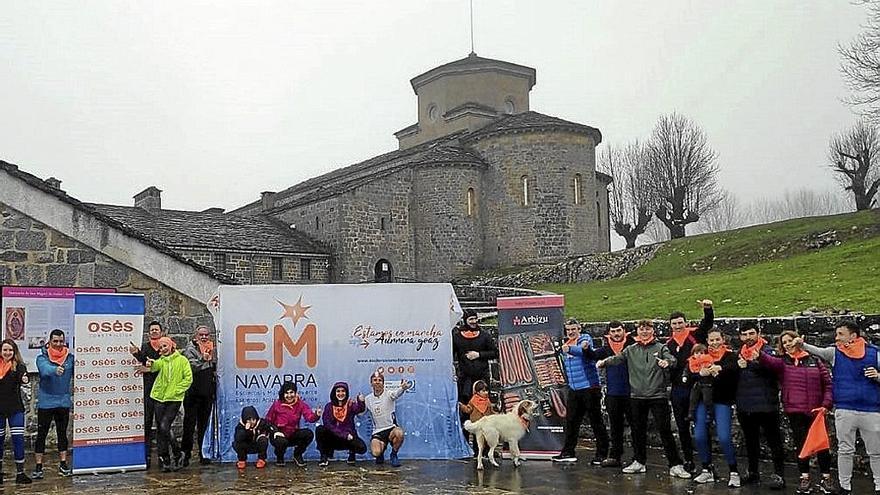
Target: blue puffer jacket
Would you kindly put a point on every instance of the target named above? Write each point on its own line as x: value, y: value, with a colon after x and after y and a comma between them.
x: 758, y: 389
x: 581, y: 371
x: 54, y: 389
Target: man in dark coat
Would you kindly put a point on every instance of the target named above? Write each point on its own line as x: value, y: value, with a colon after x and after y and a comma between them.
x: 472, y: 347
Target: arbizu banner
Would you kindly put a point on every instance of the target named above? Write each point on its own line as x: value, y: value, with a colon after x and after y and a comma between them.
x: 530, y: 333
x: 108, y: 409
x: 317, y: 335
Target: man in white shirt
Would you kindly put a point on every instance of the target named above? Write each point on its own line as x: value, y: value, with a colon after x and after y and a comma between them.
x: 385, y: 430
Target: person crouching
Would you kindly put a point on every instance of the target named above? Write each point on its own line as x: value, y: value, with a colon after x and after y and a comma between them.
x: 252, y: 436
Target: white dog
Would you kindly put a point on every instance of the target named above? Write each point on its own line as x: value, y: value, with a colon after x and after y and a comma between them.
x: 498, y: 428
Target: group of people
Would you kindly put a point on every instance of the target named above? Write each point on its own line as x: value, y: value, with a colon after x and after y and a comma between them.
x: 695, y: 377
x: 281, y: 428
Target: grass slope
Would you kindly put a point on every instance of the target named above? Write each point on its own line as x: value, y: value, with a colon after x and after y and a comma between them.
x: 762, y: 270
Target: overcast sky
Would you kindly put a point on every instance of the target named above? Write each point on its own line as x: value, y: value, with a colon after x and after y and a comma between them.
x: 214, y: 102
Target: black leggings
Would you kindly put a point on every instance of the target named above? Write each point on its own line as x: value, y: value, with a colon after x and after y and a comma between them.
x: 196, y: 416
x: 800, y: 425
x: 258, y: 446
x: 328, y: 443
x: 300, y: 439
x: 165, y: 414
x: 61, y: 416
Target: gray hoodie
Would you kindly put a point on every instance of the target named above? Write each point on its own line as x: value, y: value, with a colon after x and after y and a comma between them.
x: 647, y: 380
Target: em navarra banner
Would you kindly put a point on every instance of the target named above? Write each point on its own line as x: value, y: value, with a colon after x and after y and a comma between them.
x: 317, y: 335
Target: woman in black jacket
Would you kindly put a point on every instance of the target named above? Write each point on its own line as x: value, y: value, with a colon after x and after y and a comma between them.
x: 472, y: 348
x: 13, y: 374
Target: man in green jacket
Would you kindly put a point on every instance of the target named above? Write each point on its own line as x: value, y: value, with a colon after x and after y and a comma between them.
x: 647, y: 361
x: 173, y: 379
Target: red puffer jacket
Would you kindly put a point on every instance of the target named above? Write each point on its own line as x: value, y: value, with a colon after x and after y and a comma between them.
x: 806, y: 383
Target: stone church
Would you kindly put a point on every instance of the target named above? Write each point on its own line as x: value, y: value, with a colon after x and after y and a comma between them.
x: 479, y: 181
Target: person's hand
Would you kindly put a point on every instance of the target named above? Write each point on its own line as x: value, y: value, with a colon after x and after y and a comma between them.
x: 742, y: 362
x: 662, y: 363
x: 318, y: 411
x: 705, y: 371
x: 405, y: 385
x: 59, y: 370
x: 206, y: 356
x: 149, y: 363
x: 132, y: 348
x: 349, y: 437
x: 360, y: 397
x: 872, y: 373
x: 472, y: 355
x: 565, y: 347
x: 600, y: 363
x: 798, y: 341
x: 705, y: 303
x: 250, y: 424
x: 585, y: 345
x: 715, y: 369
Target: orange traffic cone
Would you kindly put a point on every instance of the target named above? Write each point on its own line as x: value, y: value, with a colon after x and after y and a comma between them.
x: 817, y: 437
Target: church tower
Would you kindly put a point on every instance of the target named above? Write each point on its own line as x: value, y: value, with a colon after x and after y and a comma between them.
x: 466, y: 95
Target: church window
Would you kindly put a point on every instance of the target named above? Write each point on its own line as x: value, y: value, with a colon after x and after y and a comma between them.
x: 598, y: 214
x: 524, y: 180
x: 317, y: 223
x: 382, y: 223
x: 277, y: 269
x: 471, y: 202
x: 220, y: 262
x: 305, y: 269
x: 433, y: 112
x: 509, y: 106
x: 577, y: 189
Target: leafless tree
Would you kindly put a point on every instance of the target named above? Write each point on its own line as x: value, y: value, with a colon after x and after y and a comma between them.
x: 629, y: 199
x: 860, y: 65
x: 854, y: 155
x: 797, y: 204
x: 728, y: 214
x: 681, y: 172
x: 656, y: 231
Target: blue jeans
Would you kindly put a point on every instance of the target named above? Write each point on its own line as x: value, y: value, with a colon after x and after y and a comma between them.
x: 723, y: 413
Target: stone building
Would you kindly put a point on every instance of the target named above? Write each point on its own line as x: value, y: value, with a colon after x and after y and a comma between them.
x: 479, y: 181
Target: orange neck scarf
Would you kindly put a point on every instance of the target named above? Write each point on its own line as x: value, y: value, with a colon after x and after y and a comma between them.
x: 681, y: 336
x: 5, y: 366
x: 207, y: 346
x: 58, y: 357
x: 572, y: 342
x: 616, y: 347
x: 470, y: 334
x: 718, y: 353
x: 798, y: 355
x: 645, y: 341
x: 853, y: 350
x: 699, y: 361
x: 154, y: 343
x: 480, y: 403
x: 749, y: 352
x: 340, y: 412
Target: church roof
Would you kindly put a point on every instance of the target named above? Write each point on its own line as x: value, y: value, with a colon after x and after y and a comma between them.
x: 472, y: 64
x: 532, y: 121
x: 212, y: 230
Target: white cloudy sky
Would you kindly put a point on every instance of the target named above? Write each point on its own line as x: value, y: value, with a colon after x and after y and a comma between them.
x: 214, y: 102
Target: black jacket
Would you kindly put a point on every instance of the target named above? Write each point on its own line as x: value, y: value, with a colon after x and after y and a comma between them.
x: 758, y: 388
x: 682, y: 353
x: 724, y: 385
x: 482, y: 343
x: 263, y: 428
x: 10, y: 391
x: 147, y: 352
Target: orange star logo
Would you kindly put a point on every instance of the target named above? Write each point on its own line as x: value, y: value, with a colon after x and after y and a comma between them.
x: 295, y: 312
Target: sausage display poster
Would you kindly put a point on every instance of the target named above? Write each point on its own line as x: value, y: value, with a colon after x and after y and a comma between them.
x: 529, y: 341
x: 317, y: 335
x: 108, y: 409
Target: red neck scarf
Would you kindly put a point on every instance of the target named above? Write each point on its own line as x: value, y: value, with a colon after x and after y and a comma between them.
x: 718, y: 353
x: 480, y: 403
x: 644, y: 341
x: 853, y: 350
x: 699, y: 361
x: 571, y: 342
x: 616, y: 347
x: 797, y: 355
x: 290, y: 404
x: 469, y: 333
x: 5, y: 367
x: 207, y: 346
x: 58, y: 357
x: 340, y: 412
x: 154, y: 343
x: 749, y: 352
x: 681, y: 336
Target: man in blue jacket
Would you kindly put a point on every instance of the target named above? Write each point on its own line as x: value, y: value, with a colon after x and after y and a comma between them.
x: 584, y: 395
x: 55, y: 365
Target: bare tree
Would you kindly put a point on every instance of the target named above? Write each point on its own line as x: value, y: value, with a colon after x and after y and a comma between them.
x: 656, y: 231
x: 797, y: 204
x: 854, y: 156
x: 728, y: 214
x: 681, y: 172
x: 629, y: 199
x: 860, y: 65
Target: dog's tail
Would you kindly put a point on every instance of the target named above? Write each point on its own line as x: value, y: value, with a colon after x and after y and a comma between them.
x: 471, y: 426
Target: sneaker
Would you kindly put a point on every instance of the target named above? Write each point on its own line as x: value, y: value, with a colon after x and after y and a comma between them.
x: 610, y: 462
x: 564, y: 457
x: 734, y: 481
x: 596, y: 461
x: 241, y: 465
x: 37, y: 474
x: 705, y: 476
x: 776, y: 482
x: 805, y: 485
x: 261, y: 463
x: 380, y: 459
x: 635, y: 467
x: 166, y: 465
x: 298, y: 460
x: 826, y: 485
x: 22, y: 479
x: 63, y: 470
x: 177, y: 463
x: 324, y: 462
x: 679, y: 472
x: 395, y: 462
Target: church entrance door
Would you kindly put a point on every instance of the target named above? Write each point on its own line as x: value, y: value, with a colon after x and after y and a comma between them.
x: 383, y: 272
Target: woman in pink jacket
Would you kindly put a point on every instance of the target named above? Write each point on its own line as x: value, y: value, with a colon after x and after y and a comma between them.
x: 806, y: 386
x: 286, y: 413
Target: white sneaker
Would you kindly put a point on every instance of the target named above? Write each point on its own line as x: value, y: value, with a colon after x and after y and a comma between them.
x: 734, y: 480
x: 679, y: 472
x: 635, y: 467
x: 705, y: 476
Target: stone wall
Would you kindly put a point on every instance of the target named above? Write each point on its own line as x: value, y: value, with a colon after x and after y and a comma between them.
x: 249, y: 268
x: 551, y: 226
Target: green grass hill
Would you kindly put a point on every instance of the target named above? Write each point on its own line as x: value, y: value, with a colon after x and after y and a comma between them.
x: 831, y: 263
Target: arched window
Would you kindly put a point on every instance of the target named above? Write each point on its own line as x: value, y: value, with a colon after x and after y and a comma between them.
x: 471, y: 202
x: 317, y: 223
x: 525, y: 190
x: 599, y: 214
x: 577, y: 189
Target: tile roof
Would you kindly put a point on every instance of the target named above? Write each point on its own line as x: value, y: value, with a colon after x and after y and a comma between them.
x: 531, y: 121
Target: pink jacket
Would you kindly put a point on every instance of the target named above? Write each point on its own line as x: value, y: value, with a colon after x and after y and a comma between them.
x: 806, y: 383
x: 286, y: 417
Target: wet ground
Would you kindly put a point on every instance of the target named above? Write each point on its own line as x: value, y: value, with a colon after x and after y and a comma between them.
x: 414, y: 477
